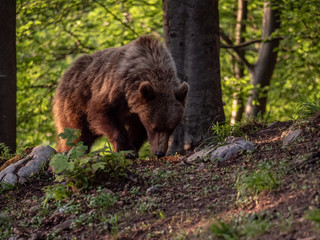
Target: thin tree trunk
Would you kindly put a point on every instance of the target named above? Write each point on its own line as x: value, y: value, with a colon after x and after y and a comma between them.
x: 8, y: 85
x: 262, y: 71
x: 237, y: 103
x: 191, y: 31
x: 174, y: 15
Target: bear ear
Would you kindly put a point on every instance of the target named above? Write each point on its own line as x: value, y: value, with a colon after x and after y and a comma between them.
x: 146, y: 91
x: 181, y: 93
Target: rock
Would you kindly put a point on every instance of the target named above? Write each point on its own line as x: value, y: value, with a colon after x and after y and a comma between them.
x: 26, y: 167
x: 107, y: 191
x: 9, y: 180
x: 37, y: 236
x: 10, y: 170
x: 153, y: 190
x: 201, y: 166
x: 63, y: 226
x: 271, y: 125
x: 40, y: 156
x: 225, y: 152
x: 62, y: 209
x: 291, y: 136
x: 201, y: 154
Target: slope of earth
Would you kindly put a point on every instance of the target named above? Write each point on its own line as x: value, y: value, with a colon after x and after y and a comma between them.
x: 271, y: 193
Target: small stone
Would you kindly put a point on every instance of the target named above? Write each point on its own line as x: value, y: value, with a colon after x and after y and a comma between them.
x: 153, y: 190
x: 124, y: 193
x: 120, y: 203
x: 107, y: 191
x: 271, y: 125
x: 201, y: 166
x: 63, y: 226
x: 225, y: 152
x: 291, y: 136
x: 16, y: 231
x: 37, y: 236
x: 62, y: 209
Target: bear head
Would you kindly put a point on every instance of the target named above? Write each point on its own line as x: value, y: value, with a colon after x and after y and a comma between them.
x: 160, y: 112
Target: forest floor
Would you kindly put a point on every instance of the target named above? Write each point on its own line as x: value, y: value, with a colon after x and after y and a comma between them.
x: 271, y: 193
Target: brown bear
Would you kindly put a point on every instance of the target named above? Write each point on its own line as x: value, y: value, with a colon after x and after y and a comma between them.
x: 128, y: 94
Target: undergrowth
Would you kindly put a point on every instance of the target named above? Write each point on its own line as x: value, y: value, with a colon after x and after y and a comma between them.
x: 79, y: 170
x: 222, y: 131
x: 241, y: 227
x: 309, y: 108
x: 251, y: 185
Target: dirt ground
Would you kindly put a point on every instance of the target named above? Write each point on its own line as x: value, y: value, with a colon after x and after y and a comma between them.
x: 171, y: 198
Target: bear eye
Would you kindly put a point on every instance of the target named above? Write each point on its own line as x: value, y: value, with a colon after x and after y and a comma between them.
x: 156, y: 129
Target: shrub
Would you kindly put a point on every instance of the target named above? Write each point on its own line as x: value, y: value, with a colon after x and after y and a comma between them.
x: 79, y: 169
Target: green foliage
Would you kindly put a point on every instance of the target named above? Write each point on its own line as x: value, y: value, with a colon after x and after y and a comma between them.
x: 103, y: 201
x: 241, y: 227
x: 239, y: 129
x: 225, y: 231
x: 309, y: 108
x: 57, y: 192
x: 145, y: 151
x: 222, y: 131
x: 80, y: 169
x: 5, y: 152
x: 252, y: 228
x: 6, y: 227
x: 297, y: 71
x: 249, y: 186
x: 314, y: 216
x: 5, y: 187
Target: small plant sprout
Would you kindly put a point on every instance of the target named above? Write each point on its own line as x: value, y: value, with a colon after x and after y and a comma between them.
x: 224, y: 230
x: 309, y: 108
x: 249, y: 186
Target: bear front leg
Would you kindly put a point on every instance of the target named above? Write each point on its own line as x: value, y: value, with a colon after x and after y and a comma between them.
x: 137, y: 133
x: 111, y: 127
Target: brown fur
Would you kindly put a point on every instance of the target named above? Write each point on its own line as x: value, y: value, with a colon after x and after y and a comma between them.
x: 128, y: 94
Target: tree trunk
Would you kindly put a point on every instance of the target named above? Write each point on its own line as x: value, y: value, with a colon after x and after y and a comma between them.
x: 261, y: 72
x: 191, y: 32
x: 237, y: 103
x: 8, y: 83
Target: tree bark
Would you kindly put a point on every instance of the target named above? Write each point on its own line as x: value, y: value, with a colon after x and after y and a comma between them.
x: 191, y: 32
x: 238, y: 101
x: 8, y: 83
x: 261, y: 72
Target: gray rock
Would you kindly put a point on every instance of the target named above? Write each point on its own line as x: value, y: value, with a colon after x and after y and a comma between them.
x: 291, y: 136
x: 62, y: 209
x: 40, y: 156
x: 153, y: 190
x: 107, y: 191
x: 63, y: 226
x: 225, y: 152
x: 26, y: 167
x: 9, y: 180
x: 271, y: 125
x: 201, y: 154
x: 11, y: 168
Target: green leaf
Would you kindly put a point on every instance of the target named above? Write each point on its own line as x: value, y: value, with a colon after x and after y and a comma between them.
x: 60, y: 163
x: 78, y: 151
x: 98, y: 165
x: 70, y: 134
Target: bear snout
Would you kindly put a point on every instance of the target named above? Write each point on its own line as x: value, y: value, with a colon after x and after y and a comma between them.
x: 159, y: 143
